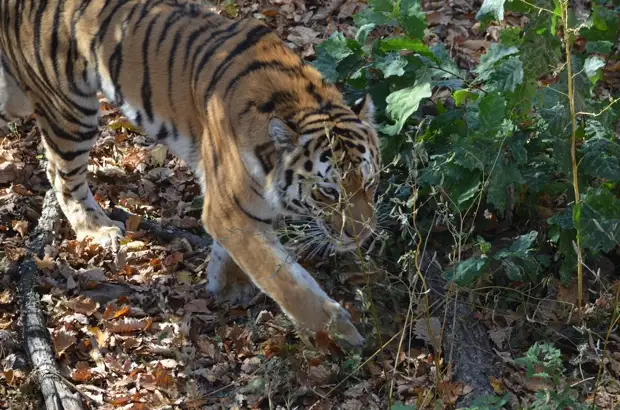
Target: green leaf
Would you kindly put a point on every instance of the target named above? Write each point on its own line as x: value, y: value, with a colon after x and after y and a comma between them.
x: 540, y: 52
x: 400, y: 406
x: 595, y: 129
x: 592, y: 68
x: 495, y: 7
x: 519, y: 247
x: 386, y: 6
x: 494, y: 54
x: 513, y: 270
x: 460, y: 96
x: 453, y: 84
x: 370, y: 15
x: 604, y: 25
x: 390, y: 64
x: 508, y: 75
x: 510, y: 36
x: 467, y: 271
x: 470, y: 191
x: 557, y: 14
x: 404, y: 43
x: 499, y: 182
x: 516, y: 260
x: 403, y: 103
x: 491, y: 109
x: 362, y: 34
x: 330, y: 53
x: 566, y: 250
x: 601, y: 159
x: 597, y: 220
x: 336, y: 46
x: 599, y: 47
x: 327, y: 66
x: 489, y: 402
x: 563, y: 219
x: 412, y: 19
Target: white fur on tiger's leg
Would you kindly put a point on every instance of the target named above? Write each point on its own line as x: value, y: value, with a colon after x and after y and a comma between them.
x: 226, y: 282
x: 67, y: 156
x: 14, y: 103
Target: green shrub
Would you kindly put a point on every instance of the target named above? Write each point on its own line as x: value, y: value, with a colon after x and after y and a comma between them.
x: 502, y: 141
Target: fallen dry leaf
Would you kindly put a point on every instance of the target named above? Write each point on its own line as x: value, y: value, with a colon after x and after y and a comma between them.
x: 133, y: 222
x: 62, y: 340
x: 422, y: 331
x: 319, y: 374
x: 128, y: 325
x: 82, y: 304
x: 6, y: 297
x: 100, y: 337
x: 20, y: 226
x: 14, y: 377
x: 46, y: 263
x: 114, y: 312
x: 82, y: 373
x: 163, y: 377
x: 21, y: 190
x: 158, y: 155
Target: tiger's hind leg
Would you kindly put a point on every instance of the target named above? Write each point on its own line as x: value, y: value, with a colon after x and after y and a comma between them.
x: 67, y: 145
x: 226, y: 281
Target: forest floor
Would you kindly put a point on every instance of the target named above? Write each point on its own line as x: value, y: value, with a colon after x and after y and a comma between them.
x: 136, y: 329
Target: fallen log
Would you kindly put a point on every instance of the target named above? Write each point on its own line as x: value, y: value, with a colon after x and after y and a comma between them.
x: 56, y: 391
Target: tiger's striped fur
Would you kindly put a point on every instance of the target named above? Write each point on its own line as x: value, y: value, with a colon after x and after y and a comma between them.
x: 265, y: 134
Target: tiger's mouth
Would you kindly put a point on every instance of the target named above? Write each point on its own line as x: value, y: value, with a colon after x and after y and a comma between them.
x: 341, y: 240
x: 314, y: 237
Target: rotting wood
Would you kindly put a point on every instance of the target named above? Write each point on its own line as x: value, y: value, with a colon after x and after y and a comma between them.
x: 56, y: 392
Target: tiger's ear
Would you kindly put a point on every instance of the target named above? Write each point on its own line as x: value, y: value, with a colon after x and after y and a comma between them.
x: 365, y: 109
x: 282, y: 135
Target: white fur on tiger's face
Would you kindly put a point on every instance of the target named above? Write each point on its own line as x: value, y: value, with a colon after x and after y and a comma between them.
x: 263, y: 132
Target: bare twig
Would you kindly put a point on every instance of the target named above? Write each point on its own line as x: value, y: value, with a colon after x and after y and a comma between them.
x: 166, y: 233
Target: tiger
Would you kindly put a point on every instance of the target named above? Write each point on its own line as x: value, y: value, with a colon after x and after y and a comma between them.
x: 264, y: 133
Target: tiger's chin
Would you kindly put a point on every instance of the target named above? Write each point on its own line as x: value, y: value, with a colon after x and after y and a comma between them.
x: 341, y: 243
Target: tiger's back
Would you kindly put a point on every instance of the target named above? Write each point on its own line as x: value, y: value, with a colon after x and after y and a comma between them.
x: 265, y: 134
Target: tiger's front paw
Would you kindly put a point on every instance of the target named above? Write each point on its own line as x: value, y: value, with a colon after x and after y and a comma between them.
x: 104, y: 236
x: 340, y: 326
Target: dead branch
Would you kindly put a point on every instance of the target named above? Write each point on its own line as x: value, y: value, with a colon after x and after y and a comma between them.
x: 166, y: 233
x: 56, y: 393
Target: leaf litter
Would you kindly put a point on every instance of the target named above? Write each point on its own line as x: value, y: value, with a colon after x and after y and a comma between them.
x: 137, y: 331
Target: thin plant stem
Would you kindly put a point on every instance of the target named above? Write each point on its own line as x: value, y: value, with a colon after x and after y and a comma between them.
x: 573, y: 148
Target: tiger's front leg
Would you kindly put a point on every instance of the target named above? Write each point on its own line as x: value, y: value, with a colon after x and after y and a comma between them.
x: 256, y: 250
x: 67, y: 148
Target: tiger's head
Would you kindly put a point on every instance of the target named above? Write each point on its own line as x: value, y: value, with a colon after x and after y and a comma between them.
x: 327, y: 172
